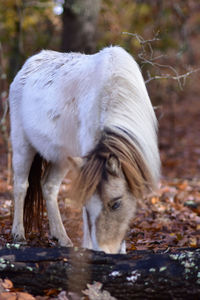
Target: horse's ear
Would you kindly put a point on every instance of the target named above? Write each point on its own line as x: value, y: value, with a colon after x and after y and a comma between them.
x: 113, y: 165
x: 75, y: 162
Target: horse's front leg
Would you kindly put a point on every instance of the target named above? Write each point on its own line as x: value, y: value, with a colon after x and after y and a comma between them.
x: 123, y: 248
x: 87, y: 242
x: 50, y: 189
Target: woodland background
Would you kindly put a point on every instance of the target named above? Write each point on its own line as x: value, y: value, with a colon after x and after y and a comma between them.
x: 164, y: 38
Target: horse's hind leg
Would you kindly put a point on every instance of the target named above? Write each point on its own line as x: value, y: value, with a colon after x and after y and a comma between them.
x: 22, y: 159
x: 50, y: 189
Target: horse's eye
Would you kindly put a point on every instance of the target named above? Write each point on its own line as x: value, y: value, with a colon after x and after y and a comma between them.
x: 114, y: 204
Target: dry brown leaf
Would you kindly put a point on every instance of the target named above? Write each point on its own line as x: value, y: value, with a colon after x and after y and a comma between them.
x: 16, y: 296
x: 154, y: 200
x: 24, y: 296
x: 8, y: 296
x: 193, y: 242
x: 7, y: 284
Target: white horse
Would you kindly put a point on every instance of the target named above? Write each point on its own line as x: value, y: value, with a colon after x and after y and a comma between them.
x: 88, y: 116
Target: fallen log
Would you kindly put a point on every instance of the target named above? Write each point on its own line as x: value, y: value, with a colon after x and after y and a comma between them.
x: 137, y: 275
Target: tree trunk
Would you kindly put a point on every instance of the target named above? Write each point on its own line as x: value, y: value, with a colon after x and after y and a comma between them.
x: 138, y: 275
x: 17, y: 56
x: 79, y: 25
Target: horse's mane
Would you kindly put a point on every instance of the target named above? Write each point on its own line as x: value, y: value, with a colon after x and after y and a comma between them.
x: 93, y: 171
x: 129, y: 129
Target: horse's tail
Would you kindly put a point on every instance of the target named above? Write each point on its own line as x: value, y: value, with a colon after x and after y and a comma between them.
x: 34, y: 203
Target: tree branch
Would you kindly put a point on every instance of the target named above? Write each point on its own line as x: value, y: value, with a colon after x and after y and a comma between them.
x: 146, y: 56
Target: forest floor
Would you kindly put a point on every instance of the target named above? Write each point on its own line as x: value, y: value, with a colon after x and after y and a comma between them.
x: 168, y: 219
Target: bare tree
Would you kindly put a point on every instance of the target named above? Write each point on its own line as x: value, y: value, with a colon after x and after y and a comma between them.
x: 79, y: 25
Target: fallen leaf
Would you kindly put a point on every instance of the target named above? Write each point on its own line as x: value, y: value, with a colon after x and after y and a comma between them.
x: 7, y: 284
x: 8, y: 296
x: 24, y: 296
x: 193, y: 241
x: 94, y: 292
x: 154, y: 200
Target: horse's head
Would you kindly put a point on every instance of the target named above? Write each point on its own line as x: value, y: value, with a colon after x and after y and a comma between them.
x: 106, y: 215
x: 107, y: 183
x: 108, y: 212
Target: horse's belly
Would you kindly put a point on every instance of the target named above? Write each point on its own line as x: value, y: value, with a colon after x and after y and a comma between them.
x: 54, y: 145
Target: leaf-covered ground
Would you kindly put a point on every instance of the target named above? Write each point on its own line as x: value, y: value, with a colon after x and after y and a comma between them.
x: 168, y: 219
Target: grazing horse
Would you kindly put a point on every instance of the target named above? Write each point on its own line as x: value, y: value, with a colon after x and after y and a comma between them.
x: 88, y: 117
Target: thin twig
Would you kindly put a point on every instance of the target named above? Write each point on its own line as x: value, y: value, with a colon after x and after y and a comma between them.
x: 146, y: 56
x: 140, y: 39
x: 168, y: 76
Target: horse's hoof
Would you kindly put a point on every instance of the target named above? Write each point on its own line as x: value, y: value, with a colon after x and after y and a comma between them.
x: 18, y: 237
x: 19, y: 240
x: 66, y: 244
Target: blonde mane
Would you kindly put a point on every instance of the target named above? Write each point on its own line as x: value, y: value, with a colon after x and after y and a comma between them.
x: 127, y: 107
x: 93, y: 171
